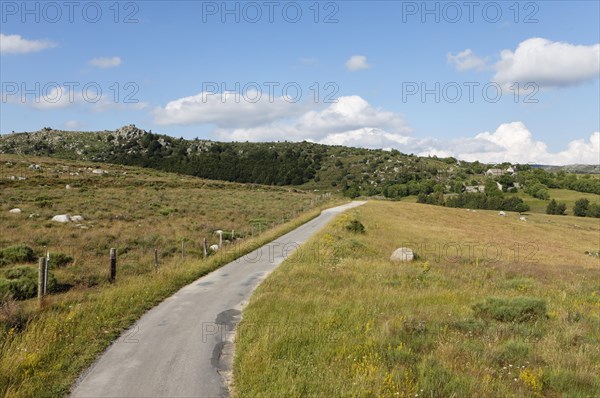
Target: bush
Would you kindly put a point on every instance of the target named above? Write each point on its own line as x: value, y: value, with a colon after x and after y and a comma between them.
x: 512, y: 351
x: 518, y: 309
x: 539, y: 191
x: 356, y: 227
x: 556, y: 208
x: 58, y: 260
x: 16, y: 254
x: 593, y: 210
x: 21, y: 283
x: 581, y: 207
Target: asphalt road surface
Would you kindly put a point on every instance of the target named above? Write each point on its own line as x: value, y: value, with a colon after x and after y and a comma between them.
x: 181, y: 348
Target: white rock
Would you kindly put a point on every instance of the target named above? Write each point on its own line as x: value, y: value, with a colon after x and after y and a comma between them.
x: 502, y: 213
x: 402, y: 254
x: 68, y: 186
x: 99, y: 171
x: 63, y: 218
x: 77, y: 219
x: 214, y: 248
x: 523, y: 218
x: 15, y: 211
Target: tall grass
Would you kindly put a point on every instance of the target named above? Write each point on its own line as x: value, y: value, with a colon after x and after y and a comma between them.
x: 63, y: 338
x: 43, y: 350
x: 338, y: 319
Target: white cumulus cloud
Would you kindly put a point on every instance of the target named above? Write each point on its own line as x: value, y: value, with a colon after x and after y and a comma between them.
x: 546, y: 63
x: 227, y: 109
x: 466, y: 60
x: 357, y: 62
x: 349, y: 121
x: 513, y: 142
x: 15, y: 44
x: 105, y: 62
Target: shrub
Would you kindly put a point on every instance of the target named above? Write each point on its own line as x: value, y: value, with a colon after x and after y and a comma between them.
x: 167, y: 210
x: 518, y: 309
x: 512, y: 351
x: 58, y: 260
x: 21, y: 283
x: 581, y: 207
x: 356, y: 226
x: 556, y: 208
x: 16, y: 254
x: 593, y: 210
x: 538, y: 190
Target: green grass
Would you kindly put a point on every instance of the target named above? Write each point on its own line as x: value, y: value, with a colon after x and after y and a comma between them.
x: 560, y: 195
x: 515, y: 313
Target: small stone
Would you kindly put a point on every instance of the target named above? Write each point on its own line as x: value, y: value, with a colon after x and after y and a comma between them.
x: 15, y: 211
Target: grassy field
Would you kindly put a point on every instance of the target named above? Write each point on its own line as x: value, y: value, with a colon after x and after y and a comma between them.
x: 131, y: 209
x: 492, y: 307
x: 560, y: 195
x: 44, y: 348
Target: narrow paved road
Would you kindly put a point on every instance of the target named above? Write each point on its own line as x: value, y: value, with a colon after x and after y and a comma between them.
x: 180, y: 347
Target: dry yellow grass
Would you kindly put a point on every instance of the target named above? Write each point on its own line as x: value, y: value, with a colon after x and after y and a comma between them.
x: 370, y: 327
x: 43, y: 349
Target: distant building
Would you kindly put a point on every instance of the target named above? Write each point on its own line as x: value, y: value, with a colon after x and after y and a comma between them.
x: 494, y: 172
x: 499, y: 172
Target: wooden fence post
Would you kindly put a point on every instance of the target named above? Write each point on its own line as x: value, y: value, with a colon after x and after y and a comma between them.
x: 47, y: 266
x: 113, y: 265
x: 155, y: 260
x: 41, y: 272
x: 204, y: 247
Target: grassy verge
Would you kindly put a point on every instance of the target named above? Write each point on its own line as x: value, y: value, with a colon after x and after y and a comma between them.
x: 514, y: 313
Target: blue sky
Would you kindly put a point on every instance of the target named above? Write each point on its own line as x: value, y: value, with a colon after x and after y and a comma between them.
x: 174, y: 58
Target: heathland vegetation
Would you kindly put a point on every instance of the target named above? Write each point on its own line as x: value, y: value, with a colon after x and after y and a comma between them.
x: 44, y: 347
x: 492, y: 307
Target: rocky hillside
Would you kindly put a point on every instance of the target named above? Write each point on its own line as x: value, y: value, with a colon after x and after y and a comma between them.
x: 352, y: 171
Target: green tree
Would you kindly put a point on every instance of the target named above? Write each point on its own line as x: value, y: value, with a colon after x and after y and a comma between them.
x: 581, y: 207
x: 551, y: 208
x: 491, y: 188
x: 593, y: 210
